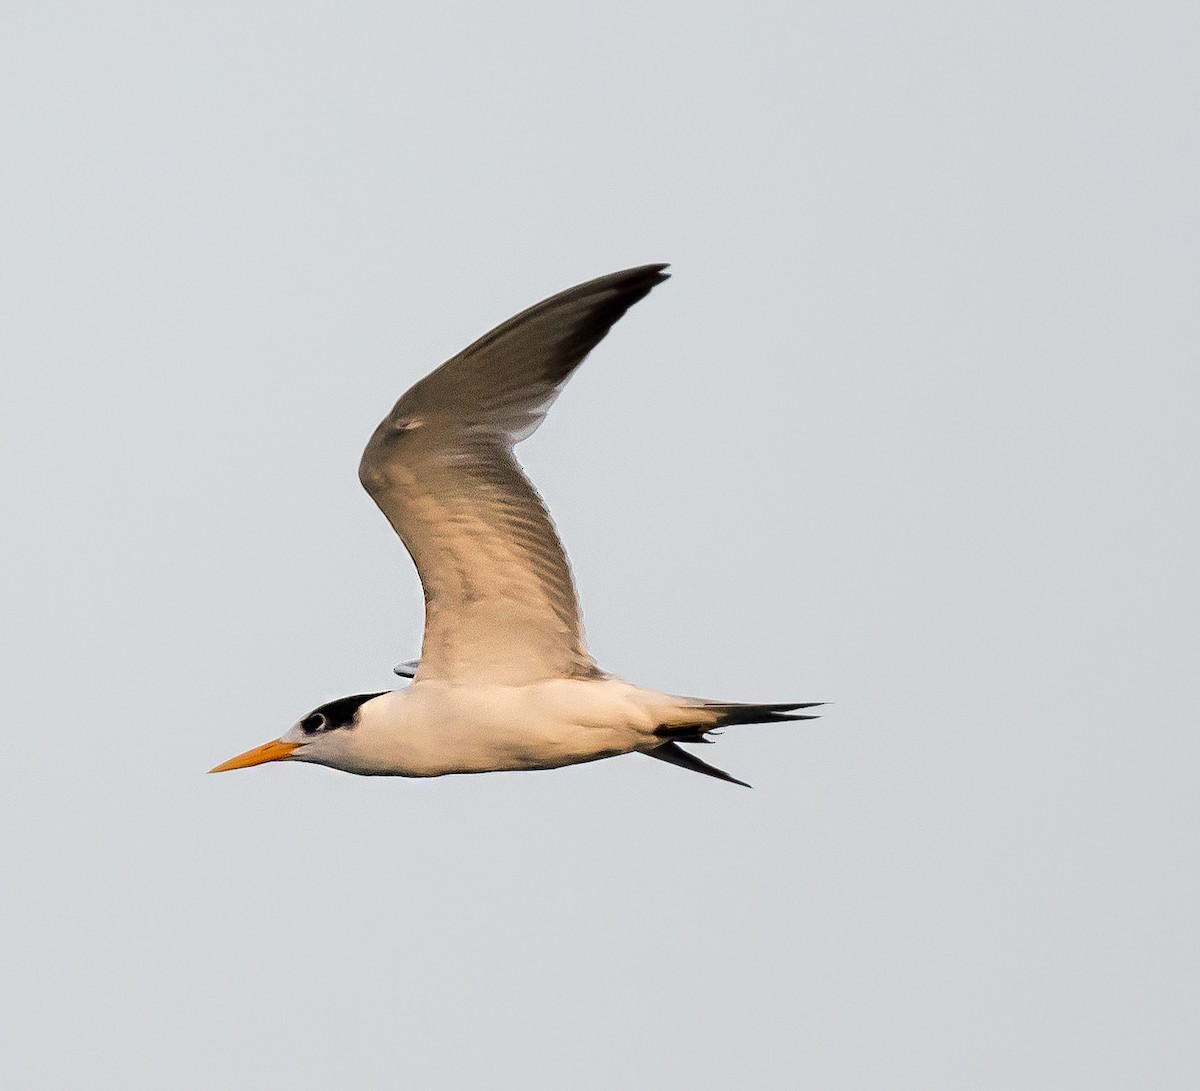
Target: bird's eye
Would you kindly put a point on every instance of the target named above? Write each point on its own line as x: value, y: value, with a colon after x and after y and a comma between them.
x: 313, y: 722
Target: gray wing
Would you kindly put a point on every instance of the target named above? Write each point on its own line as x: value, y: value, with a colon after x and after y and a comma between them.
x: 500, y: 604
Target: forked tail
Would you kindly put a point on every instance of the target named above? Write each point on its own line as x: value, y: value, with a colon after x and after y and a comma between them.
x: 691, y: 721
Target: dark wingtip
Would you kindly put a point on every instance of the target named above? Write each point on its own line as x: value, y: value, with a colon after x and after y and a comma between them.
x: 674, y: 754
x: 636, y: 283
x: 640, y: 280
x: 720, y: 774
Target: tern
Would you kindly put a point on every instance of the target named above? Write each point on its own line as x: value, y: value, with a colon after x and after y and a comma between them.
x: 504, y: 680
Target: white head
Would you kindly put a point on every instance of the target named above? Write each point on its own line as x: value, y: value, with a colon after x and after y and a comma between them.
x: 323, y: 736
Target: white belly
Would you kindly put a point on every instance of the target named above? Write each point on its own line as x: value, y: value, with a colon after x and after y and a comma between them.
x: 433, y: 728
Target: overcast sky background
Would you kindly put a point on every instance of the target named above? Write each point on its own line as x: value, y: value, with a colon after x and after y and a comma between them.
x: 912, y: 429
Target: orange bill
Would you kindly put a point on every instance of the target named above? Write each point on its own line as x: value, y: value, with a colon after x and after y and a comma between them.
x: 272, y: 751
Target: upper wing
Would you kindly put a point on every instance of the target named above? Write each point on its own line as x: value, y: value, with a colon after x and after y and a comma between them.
x: 500, y: 604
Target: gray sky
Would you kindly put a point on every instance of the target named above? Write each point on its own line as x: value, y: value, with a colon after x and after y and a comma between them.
x: 912, y: 429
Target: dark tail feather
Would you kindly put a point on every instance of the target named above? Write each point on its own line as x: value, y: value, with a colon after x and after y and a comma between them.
x: 708, y: 715
x: 729, y: 715
x: 676, y: 755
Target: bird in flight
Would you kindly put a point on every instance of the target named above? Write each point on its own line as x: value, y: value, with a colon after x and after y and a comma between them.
x: 504, y: 680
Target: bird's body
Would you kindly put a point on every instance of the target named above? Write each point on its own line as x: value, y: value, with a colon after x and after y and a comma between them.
x: 505, y: 681
x: 435, y: 727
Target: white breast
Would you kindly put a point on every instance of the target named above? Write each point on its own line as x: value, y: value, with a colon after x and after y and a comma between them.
x: 432, y: 727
